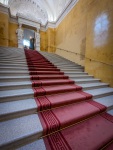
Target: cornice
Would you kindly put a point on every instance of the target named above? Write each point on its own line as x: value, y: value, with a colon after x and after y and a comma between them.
x: 26, y: 21
x: 6, y: 10
x: 65, y: 12
x: 61, y: 17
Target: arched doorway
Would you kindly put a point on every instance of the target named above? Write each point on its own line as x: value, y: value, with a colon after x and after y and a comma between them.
x: 32, y: 36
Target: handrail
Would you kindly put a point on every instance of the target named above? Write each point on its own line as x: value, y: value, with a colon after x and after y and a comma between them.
x: 82, y: 55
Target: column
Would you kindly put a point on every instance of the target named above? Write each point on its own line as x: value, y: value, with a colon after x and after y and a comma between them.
x: 20, y: 35
x: 37, y: 40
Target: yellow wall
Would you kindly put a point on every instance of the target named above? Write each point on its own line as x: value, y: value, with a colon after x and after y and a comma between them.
x: 51, y: 40
x: 7, y: 31
x: 99, y: 45
x: 88, y: 30
x: 42, y: 40
x: 48, y: 40
x: 4, y: 25
x: 12, y: 35
x: 71, y: 33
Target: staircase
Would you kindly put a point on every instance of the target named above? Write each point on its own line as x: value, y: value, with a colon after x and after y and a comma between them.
x: 52, y: 104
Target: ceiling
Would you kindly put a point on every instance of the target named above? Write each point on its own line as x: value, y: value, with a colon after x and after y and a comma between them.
x: 38, y: 10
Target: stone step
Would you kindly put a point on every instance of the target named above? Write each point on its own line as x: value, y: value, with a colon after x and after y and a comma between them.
x: 21, y: 69
x: 71, y: 67
x: 30, y: 126
x: 55, y: 57
x: 17, y: 131
x: 13, y: 95
x: 13, y: 65
x: 14, y: 78
x: 107, y: 101
x: 20, y: 123
x: 33, y: 145
x: 89, y: 86
x: 28, y: 84
x: 110, y: 112
x: 14, y: 109
x: 13, y: 62
x: 26, y: 67
x: 97, y: 93
x: 59, y: 61
x: 27, y: 78
x: 15, y: 85
x: 13, y: 73
x: 78, y: 81
x: 72, y: 70
x: 65, y: 65
x: 73, y: 77
x: 12, y: 57
x: 73, y: 73
x: 13, y: 69
x: 81, y: 132
x: 26, y: 73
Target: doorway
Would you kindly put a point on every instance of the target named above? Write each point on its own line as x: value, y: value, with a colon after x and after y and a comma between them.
x: 28, y: 40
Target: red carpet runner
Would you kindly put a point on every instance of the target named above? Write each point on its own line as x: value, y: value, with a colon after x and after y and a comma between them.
x: 66, y: 104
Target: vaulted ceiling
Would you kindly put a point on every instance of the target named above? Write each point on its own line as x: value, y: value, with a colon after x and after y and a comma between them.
x: 39, y: 10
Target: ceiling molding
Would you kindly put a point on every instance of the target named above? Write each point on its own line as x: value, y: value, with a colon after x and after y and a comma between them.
x: 61, y: 17
x: 5, y: 9
x: 66, y: 11
x: 13, y: 19
x: 25, y: 21
x: 33, y: 10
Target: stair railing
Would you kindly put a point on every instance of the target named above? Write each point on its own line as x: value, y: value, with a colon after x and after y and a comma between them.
x: 90, y: 59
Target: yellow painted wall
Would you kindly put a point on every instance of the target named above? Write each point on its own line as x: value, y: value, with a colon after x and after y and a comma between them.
x: 71, y: 34
x: 88, y: 30
x: 7, y: 31
x: 12, y: 35
x: 99, y: 43
x: 48, y: 40
x: 43, y: 41
x: 51, y: 40
x: 4, y: 28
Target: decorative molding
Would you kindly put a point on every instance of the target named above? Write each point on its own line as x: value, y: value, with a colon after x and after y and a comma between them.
x: 66, y: 11
x: 61, y: 17
x: 4, y: 9
x: 20, y: 35
x: 43, y: 28
x: 25, y: 21
x: 34, y: 9
x: 37, y: 24
x: 48, y: 25
x: 13, y: 19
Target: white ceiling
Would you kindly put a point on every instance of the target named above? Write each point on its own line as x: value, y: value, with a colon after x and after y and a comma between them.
x: 39, y: 10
